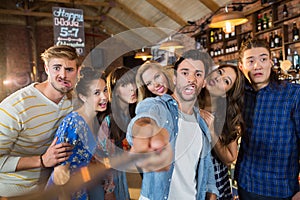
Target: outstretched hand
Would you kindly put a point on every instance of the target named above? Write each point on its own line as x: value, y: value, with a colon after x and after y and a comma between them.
x: 153, y: 141
x: 57, y: 153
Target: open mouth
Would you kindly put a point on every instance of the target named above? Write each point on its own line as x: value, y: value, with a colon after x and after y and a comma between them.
x: 257, y: 74
x: 189, y: 89
x: 103, y: 104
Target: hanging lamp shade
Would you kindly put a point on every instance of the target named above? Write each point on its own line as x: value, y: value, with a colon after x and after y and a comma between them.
x: 171, y: 45
x: 142, y: 55
x: 228, y: 20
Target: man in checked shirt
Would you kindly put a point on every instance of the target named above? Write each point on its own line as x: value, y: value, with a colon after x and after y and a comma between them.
x: 268, y: 162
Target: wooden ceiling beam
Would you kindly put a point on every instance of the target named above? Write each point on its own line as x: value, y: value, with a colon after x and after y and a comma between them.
x: 210, y: 4
x: 165, y: 10
x: 139, y: 18
x: 127, y: 27
x: 134, y: 15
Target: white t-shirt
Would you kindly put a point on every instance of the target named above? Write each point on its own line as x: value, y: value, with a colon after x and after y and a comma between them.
x: 187, y: 152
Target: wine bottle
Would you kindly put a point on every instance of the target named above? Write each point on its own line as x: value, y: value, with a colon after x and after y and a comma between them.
x: 271, y: 40
x: 265, y: 22
x: 275, y: 61
x: 212, y: 38
x: 296, y: 60
x: 270, y: 19
x: 295, y: 32
x: 285, y: 12
x: 276, y: 39
x: 216, y: 35
x: 289, y: 55
x: 259, y: 23
x: 220, y: 36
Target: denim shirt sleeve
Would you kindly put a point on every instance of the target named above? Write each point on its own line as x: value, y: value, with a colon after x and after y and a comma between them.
x: 148, y: 108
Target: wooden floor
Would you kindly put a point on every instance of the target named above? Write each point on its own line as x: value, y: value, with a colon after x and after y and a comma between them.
x: 134, y: 183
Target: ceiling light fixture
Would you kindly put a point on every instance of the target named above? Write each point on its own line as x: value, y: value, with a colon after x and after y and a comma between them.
x: 171, y: 45
x: 142, y: 55
x: 228, y: 20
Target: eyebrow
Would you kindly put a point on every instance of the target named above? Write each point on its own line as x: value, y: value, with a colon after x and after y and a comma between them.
x: 263, y: 54
x: 187, y: 69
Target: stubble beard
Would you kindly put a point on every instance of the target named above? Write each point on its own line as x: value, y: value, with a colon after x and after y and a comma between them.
x: 62, y: 90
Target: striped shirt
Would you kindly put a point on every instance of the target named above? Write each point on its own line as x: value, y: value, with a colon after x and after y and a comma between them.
x: 268, y: 160
x: 27, y: 127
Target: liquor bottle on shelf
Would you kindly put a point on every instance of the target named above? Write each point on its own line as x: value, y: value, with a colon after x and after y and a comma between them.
x: 271, y: 40
x: 259, y: 22
x: 232, y: 34
x: 296, y: 60
x: 295, y: 32
x: 265, y: 22
x: 220, y: 35
x: 275, y: 60
x: 212, y: 52
x: 276, y: 39
x: 280, y: 39
x: 199, y: 43
x: 280, y: 58
x: 212, y: 38
x: 216, y: 35
x: 289, y: 56
x: 285, y: 11
x: 270, y: 19
x: 204, y: 42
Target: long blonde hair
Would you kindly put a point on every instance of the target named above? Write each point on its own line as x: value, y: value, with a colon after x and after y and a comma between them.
x: 143, y: 91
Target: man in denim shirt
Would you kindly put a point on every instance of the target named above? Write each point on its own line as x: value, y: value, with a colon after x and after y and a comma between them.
x: 190, y: 174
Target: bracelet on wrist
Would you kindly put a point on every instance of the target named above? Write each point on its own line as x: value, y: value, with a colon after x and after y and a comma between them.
x: 42, y: 162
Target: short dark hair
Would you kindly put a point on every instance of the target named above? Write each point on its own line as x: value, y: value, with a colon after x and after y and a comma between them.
x: 196, y: 55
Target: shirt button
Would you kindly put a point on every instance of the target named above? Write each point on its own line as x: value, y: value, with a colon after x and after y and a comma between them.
x: 169, y: 180
x: 176, y: 117
x: 165, y: 197
x: 167, y: 121
x: 176, y: 134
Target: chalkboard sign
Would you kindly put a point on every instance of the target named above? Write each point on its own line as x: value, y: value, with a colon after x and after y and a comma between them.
x: 68, y: 27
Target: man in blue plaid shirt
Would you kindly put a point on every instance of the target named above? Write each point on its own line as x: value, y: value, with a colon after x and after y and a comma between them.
x: 268, y: 162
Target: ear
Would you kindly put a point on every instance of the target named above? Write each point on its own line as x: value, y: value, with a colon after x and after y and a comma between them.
x: 82, y: 98
x: 46, y: 69
x: 174, y: 79
x: 272, y: 63
x: 240, y: 66
x: 204, y: 83
x: 78, y: 73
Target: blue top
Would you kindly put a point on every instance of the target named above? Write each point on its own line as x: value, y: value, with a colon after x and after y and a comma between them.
x: 74, y: 130
x: 268, y: 160
x: 115, y: 179
x: 164, y: 111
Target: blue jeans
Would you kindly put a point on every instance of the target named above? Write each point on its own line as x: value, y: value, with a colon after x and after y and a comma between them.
x: 244, y: 195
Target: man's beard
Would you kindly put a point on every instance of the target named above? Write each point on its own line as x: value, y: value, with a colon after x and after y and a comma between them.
x: 182, y: 97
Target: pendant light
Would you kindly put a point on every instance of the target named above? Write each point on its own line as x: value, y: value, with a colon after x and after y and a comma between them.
x: 228, y: 20
x: 142, y: 55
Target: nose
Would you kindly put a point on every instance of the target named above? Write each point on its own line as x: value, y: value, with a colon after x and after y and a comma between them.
x: 62, y: 73
x: 257, y: 65
x: 217, y: 78
x: 132, y: 87
x: 191, y: 78
x: 103, y: 96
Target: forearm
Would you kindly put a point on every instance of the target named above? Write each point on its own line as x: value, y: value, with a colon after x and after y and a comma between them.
x: 226, y: 153
x: 29, y: 163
